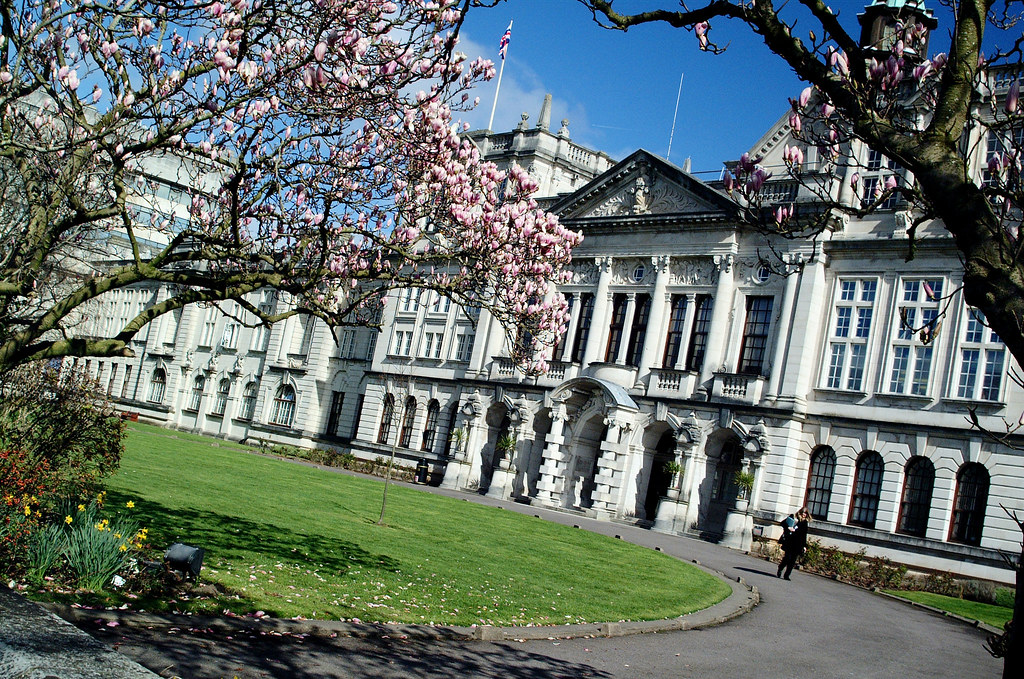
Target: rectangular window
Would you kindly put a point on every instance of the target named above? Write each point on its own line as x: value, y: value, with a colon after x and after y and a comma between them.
x: 638, y: 329
x: 403, y: 343
x: 463, y: 344
x: 432, y: 344
x: 853, y: 312
x: 231, y: 332
x: 337, y: 401
x: 209, y: 329
x: 755, y: 335
x: 127, y: 380
x: 261, y: 333
x: 676, y: 330
x: 371, y: 344
x: 874, y: 176
x: 982, y: 360
x: 559, y: 345
x: 347, y: 343
x: 617, y: 328
x: 579, y: 342
x: 699, y: 337
x: 916, y: 327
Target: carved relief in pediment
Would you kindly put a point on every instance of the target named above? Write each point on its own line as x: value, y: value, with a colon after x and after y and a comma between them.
x: 644, y: 196
x: 583, y: 273
x: 633, y: 271
x: 692, y: 271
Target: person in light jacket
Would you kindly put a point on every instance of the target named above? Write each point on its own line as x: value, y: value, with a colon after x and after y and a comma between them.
x: 794, y: 542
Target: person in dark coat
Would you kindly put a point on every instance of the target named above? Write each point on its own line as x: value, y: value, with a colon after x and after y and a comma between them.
x: 794, y: 542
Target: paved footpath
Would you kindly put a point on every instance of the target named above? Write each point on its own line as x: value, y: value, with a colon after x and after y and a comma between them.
x: 809, y: 627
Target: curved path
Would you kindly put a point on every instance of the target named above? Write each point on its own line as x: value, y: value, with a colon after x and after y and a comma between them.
x: 809, y: 627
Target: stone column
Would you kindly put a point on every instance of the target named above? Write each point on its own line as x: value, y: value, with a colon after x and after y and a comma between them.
x: 456, y: 473
x: 570, y: 331
x: 654, y: 340
x: 599, y: 321
x: 553, y: 458
x: 718, y: 338
x: 782, y: 334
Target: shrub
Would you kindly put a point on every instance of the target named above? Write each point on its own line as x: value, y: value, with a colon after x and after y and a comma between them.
x: 28, y: 487
x: 347, y: 459
x: 45, y: 548
x: 56, y: 417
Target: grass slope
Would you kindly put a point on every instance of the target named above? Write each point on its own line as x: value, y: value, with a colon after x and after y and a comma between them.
x: 295, y: 540
x: 997, y: 616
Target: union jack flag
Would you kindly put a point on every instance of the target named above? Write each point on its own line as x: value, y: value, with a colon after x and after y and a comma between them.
x: 505, y: 40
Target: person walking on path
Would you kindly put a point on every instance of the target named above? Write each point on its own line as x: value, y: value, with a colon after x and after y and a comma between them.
x: 794, y: 542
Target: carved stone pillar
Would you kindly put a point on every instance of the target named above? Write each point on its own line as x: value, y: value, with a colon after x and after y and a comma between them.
x: 553, y: 459
x: 459, y: 472
x: 674, y: 509
x: 717, y: 333
x: 654, y: 340
x: 611, y: 461
x: 599, y: 321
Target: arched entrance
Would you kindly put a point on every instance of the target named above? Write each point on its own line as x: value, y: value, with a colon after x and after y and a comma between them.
x: 718, y: 492
x: 586, y: 446
x: 659, y: 478
x: 499, y: 424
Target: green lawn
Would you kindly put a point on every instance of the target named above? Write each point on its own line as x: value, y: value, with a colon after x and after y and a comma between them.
x: 997, y: 616
x: 293, y: 540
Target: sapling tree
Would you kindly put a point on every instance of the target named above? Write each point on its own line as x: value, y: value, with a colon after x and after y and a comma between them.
x: 952, y: 120
x: 311, y: 148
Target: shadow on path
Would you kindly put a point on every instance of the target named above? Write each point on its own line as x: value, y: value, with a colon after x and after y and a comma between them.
x: 198, y: 653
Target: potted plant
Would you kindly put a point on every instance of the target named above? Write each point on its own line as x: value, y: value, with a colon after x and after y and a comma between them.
x: 457, y: 437
x: 505, y: 445
x: 744, y: 483
x: 673, y: 467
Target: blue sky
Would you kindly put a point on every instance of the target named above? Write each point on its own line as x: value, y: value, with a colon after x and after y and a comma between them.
x: 618, y: 90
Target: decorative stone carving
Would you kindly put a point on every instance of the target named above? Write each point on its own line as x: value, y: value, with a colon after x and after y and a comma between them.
x: 691, y: 271
x: 623, y: 271
x: 583, y: 273
x: 647, y: 196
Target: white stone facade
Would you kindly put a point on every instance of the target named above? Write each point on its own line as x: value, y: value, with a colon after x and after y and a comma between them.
x: 833, y: 371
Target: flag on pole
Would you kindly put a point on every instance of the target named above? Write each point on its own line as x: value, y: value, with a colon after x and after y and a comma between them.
x: 505, y: 40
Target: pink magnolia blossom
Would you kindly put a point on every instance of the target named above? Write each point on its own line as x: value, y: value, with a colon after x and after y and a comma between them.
x: 1013, y: 98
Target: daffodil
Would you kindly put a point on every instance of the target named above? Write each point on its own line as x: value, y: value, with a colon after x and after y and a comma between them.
x: 28, y: 511
x: 129, y: 504
x: 81, y: 508
x: 123, y: 547
x: 68, y: 519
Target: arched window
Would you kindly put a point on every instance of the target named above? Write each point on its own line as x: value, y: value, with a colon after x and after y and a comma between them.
x: 221, y: 404
x: 969, y: 504
x: 157, y: 386
x: 430, y: 427
x: 248, y: 401
x: 284, y: 406
x: 198, y: 384
x: 387, y: 414
x: 408, y: 416
x: 919, y: 480
x: 819, y: 482
x: 867, y: 486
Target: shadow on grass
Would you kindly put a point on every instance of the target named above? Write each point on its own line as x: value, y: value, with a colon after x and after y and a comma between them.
x: 194, y: 653
x: 231, y: 538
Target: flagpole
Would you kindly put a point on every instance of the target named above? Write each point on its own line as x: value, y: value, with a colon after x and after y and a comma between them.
x: 497, y: 89
x: 675, y: 114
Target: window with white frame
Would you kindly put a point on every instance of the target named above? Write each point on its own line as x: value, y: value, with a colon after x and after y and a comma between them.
x: 347, y: 343
x: 852, y: 315
x: 248, y: 408
x: 157, y: 385
x: 232, y: 329
x: 982, y: 360
x: 198, y: 385
x: 432, y: 344
x: 303, y: 336
x: 284, y: 406
x: 402, y: 345
x: 463, y: 343
x: 261, y: 333
x: 220, y: 404
x: 441, y: 304
x: 1000, y: 145
x: 874, y: 176
x: 209, y: 329
x: 371, y: 345
x: 915, y: 328
x: 409, y: 300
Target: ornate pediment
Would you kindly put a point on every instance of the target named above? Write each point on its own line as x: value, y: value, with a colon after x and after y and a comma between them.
x: 644, y: 185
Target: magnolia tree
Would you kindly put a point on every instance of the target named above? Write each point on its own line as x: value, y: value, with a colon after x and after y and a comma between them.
x: 927, y: 113
x: 313, y: 143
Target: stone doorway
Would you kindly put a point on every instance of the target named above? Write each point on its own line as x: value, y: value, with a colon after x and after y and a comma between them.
x: 660, y: 478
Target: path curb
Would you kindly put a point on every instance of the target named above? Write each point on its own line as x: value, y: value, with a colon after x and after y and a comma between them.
x: 742, y: 600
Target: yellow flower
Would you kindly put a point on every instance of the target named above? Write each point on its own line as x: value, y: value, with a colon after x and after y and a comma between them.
x: 68, y: 519
x: 123, y: 547
x: 81, y: 508
x: 129, y: 504
x: 34, y: 500
x: 117, y: 535
x: 28, y: 511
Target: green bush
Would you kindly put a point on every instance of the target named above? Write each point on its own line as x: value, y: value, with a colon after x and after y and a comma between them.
x: 45, y: 548
x: 347, y: 459
x: 55, y: 414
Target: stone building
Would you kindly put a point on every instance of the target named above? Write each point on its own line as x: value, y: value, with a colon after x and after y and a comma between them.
x: 700, y: 357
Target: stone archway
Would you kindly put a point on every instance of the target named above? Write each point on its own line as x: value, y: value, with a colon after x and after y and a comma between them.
x: 498, y: 423
x: 658, y: 476
x: 582, y: 467
x: 718, y: 491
